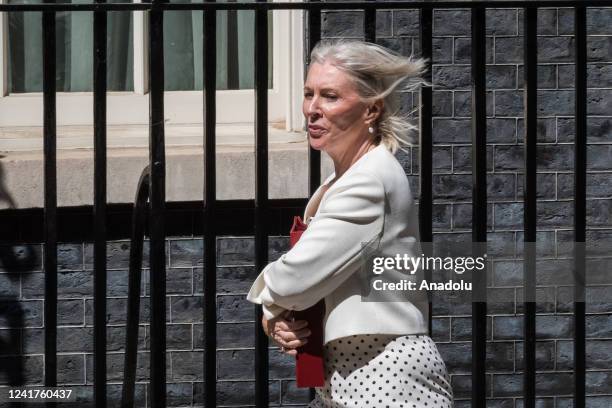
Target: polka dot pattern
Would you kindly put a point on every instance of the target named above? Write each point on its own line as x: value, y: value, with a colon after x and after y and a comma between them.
x: 378, y: 370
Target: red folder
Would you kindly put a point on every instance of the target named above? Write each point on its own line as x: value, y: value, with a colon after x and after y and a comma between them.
x: 309, y: 365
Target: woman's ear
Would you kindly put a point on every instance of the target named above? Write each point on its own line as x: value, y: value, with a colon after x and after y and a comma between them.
x: 374, y: 111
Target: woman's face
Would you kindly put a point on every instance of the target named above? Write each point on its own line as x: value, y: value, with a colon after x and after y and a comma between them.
x: 336, y: 117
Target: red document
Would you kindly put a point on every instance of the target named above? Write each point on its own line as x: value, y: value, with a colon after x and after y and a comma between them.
x: 309, y: 365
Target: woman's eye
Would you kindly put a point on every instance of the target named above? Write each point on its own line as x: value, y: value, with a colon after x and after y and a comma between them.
x: 332, y: 97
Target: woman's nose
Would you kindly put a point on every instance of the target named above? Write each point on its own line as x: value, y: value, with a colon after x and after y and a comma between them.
x: 313, y: 106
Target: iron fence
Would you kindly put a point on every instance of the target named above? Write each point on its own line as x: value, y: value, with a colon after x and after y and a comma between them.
x: 152, y: 184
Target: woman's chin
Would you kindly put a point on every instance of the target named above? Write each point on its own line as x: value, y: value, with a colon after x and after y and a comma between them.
x: 317, y: 143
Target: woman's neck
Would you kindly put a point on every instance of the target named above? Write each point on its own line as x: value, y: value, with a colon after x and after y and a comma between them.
x: 345, y: 159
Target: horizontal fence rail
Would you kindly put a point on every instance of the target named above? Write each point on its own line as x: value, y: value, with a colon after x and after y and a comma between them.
x: 314, y: 5
x: 152, y: 184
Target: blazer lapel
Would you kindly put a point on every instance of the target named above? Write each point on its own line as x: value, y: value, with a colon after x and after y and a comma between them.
x: 316, y: 193
x: 369, y: 155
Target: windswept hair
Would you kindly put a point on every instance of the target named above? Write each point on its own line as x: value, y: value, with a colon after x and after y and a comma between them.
x: 377, y: 73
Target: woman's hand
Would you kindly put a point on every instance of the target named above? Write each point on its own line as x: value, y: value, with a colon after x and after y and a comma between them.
x: 287, y: 334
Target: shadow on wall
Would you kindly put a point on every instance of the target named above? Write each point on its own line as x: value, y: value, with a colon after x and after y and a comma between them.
x: 14, y: 260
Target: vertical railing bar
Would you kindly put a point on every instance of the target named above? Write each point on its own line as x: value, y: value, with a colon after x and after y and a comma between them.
x: 426, y: 141
x: 261, y: 195
x: 210, y: 201
x: 50, y: 198
x: 314, y: 156
x: 139, y: 219
x: 580, y: 149
x: 479, y: 206
x: 157, y: 204
x: 530, y: 203
x: 369, y: 24
x: 99, y: 209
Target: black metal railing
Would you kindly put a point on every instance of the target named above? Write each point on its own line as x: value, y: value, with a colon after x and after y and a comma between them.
x: 155, y: 177
x: 139, y: 221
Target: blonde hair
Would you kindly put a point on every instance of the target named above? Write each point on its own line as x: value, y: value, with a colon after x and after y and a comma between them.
x: 377, y: 73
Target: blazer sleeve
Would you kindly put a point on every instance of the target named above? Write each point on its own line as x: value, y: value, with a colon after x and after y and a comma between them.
x: 328, y: 251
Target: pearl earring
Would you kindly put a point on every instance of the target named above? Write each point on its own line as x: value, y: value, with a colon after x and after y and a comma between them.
x: 371, y: 130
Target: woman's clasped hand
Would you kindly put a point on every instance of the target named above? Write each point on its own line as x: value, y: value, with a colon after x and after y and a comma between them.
x: 287, y: 333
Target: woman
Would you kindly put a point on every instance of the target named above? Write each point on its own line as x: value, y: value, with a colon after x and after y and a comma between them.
x: 376, y: 353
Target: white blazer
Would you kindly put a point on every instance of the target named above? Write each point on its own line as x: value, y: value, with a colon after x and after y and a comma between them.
x: 371, y: 201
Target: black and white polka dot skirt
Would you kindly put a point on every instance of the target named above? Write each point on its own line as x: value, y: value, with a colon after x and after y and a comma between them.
x: 375, y: 370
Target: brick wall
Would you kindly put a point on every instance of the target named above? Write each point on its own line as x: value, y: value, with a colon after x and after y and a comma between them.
x: 452, y: 189
x: 21, y: 321
x: 21, y: 278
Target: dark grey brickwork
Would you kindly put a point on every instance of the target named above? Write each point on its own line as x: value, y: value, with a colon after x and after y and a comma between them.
x: 452, y: 188
x: 21, y: 277
x: 21, y: 321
